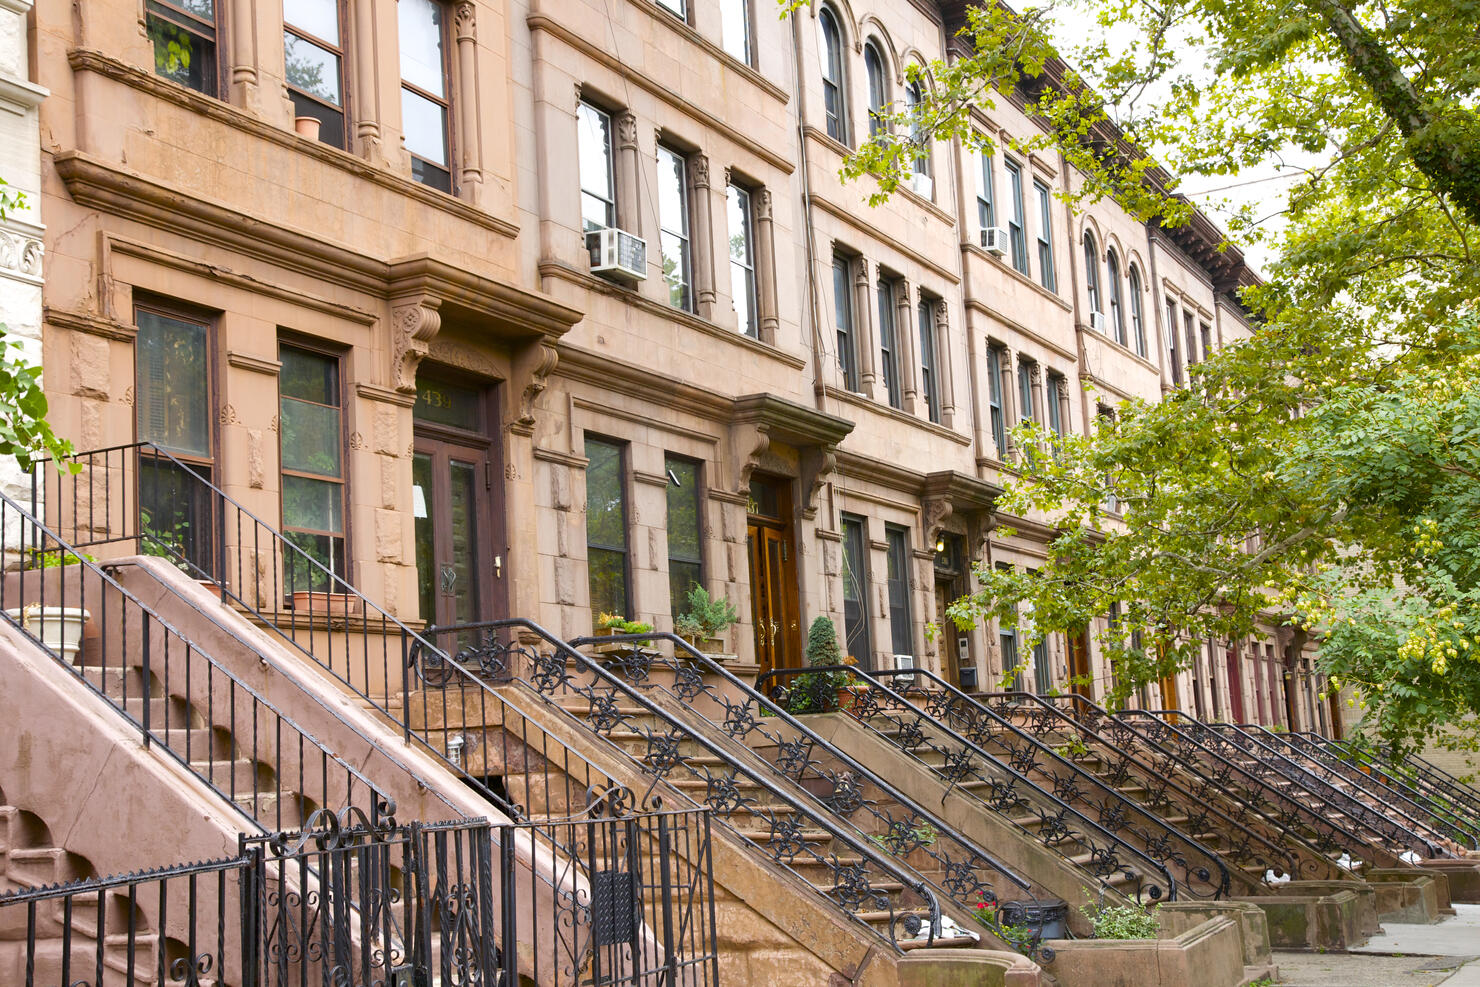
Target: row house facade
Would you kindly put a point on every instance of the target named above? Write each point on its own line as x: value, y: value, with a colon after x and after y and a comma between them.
x: 350, y: 258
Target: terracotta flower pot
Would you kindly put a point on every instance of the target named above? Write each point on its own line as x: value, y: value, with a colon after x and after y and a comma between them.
x: 307, y: 127
x: 333, y: 604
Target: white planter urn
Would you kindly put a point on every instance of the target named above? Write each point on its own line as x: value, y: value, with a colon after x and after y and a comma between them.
x: 59, y: 628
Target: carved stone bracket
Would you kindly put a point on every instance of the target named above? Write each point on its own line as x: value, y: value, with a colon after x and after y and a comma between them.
x: 414, y: 322
x: 748, y: 443
x: 532, y: 368
x: 758, y: 420
x: 20, y: 254
x: 947, y: 494
x: 818, y: 464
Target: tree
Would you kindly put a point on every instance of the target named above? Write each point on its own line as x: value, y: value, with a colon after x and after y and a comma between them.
x: 24, y: 430
x: 1325, y: 473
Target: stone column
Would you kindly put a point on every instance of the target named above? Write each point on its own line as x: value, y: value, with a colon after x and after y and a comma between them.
x: 243, y: 52
x: 865, y: 344
x: 470, y: 142
x: 765, y: 265
x: 945, y: 379
x: 367, y: 90
x: 628, y: 177
x: 701, y: 235
x: 906, y: 346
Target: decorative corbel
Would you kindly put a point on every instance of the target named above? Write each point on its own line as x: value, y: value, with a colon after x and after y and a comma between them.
x: 414, y: 321
x: 532, y: 368
x: 748, y: 443
x: 817, y: 465
x: 936, y: 511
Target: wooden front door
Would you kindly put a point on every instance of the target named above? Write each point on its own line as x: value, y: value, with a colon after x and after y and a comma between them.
x: 773, y: 576
x: 950, y: 657
x: 1081, y: 681
x: 1235, y: 687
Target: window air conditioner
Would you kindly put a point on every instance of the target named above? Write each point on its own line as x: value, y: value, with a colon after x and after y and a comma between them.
x: 617, y: 254
x: 1097, y: 322
x: 994, y: 240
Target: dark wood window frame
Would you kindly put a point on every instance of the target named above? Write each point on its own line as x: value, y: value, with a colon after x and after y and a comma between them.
x: 341, y: 52
x: 337, y: 354
x: 699, y: 493
x: 445, y: 102
x: 625, y: 549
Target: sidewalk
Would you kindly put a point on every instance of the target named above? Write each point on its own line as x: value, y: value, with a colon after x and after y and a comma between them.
x: 1447, y: 952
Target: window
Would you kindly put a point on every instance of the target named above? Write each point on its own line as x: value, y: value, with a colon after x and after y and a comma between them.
x: 1206, y: 331
x: 1042, y: 669
x: 313, y: 56
x: 606, y: 528
x: 986, y: 208
x: 734, y: 16
x: 878, y: 90
x: 1105, y: 419
x: 685, y: 556
x: 742, y: 260
x: 929, y: 386
x: 1025, y: 392
x: 1175, y: 358
x: 310, y: 449
x: 888, y: 344
x: 843, y: 318
x: 675, y: 6
x: 1016, y: 226
x: 183, y: 33
x: 1138, y: 324
x: 901, y: 635
x: 424, y: 91
x: 1092, y: 272
x: 173, y: 408
x: 994, y: 398
x: 1056, y: 385
x: 1046, y: 275
x: 598, y: 182
x: 834, y: 105
x: 1007, y: 639
x: 858, y: 642
x: 914, y: 97
x: 1117, y: 306
x: 1189, y: 325
x: 673, y: 219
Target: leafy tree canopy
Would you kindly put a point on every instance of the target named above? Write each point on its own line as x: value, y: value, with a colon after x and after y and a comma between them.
x: 1326, y: 473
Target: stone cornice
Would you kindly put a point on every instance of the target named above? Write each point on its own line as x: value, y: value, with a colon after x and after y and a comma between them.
x: 255, y: 364
x: 91, y: 324
x: 88, y: 60
x: 792, y: 423
x: 21, y: 94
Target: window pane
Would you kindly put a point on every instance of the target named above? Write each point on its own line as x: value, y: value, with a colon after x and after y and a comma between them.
x: 426, y: 560
x: 673, y: 214
x: 682, y: 578
x: 185, y: 55
x: 310, y: 438
x: 317, y: 17
x: 857, y: 641
x: 176, y: 512
x: 446, y: 404
x: 608, y: 576
x: 312, y: 69
x: 308, y: 376
x: 462, y: 485
x: 173, y: 384
x: 735, y: 28
x: 605, y: 511
x: 300, y: 575
x: 314, y: 504
x: 683, y: 508
x: 425, y: 125
x: 676, y: 6
x: 900, y: 633
x: 594, y: 145
x: 420, y: 23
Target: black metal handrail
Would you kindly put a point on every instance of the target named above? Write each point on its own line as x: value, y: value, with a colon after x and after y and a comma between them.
x: 1328, y: 835
x: 1379, y: 826
x: 257, y: 732
x: 1063, y: 826
x: 1396, y: 799
x: 1444, y: 792
x: 255, y: 567
x: 858, y: 886
x: 1285, y: 815
x: 1164, y: 795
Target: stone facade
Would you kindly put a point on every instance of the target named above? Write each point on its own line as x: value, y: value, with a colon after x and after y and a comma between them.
x: 839, y: 416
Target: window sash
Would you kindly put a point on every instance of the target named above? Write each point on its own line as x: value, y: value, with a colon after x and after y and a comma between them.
x: 1176, y: 359
x: 594, y: 149
x: 675, y: 7
x: 430, y: 166
x: 856, y: 632
x: 1046, y: 273
x: 735, y: 29
x: 901, y: 633
x: 1117, y: 308
x: 832, y: 76
x: 742, y: 260
x: 1189, y: 325
x: 994, y: 399
x: 1138, y: 323
x: 179, y: 424
x: 1017, y: 225
x: 673, y: 216
x: 1051, y: 401
x: 1025, y: 392
x: 986, y: 196
x: 888, y: 350
x: 843, y: 320
x: 877, y: 90
x: 203, y: 71
x: 915, y: 96
x: 1092, y: 273
x: 685, y: 547
x: 607, y: 460
x: 926, y: 320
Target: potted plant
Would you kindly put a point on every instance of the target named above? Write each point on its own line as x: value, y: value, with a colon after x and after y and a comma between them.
x: 58, y: 628
x: 332, y: 604
x: 822, y: 691
x: 613, y: 624
x: 706, y: 619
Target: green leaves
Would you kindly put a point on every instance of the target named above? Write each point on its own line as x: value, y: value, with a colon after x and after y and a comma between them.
x: 24, y: 431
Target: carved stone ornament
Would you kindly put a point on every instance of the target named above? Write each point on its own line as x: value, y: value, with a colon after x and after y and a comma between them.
x: 465, y: 22
x: 20, y: 254
x: 699, y: 165
x: 532, y: 369
x: 413, y: 324
x: 936, y: 511
x: 762, y: 200
x: 818, y: 463
x: 627, y: 130
x: 748, y: 443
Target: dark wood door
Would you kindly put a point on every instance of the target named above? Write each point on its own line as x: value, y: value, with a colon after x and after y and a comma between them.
x: 950, y: 657
x: 1235, y: 687
x: 1080, y: 680
x: 459, y: 566
x: 773, y: 597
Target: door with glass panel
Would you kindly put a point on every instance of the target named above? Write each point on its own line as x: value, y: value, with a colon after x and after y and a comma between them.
x: 459, y: 558
x: 773, y: 576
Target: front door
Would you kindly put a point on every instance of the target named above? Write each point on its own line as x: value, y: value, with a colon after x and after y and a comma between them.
x: 459, y: 561
x: 1235, y: 687
x: 1080, y: 680
x: 950, y: 659
x: 773, y: 577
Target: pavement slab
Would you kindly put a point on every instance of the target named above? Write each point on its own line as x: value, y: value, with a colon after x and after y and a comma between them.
x: 1403, y: 955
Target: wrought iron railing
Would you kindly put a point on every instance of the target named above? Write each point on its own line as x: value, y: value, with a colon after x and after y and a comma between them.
x: 1378, y: 827
x: 620, y: 699
x: 350, y: 902
x: 103, y: 497
x: 1446, y: 795
x: 182, y: 701
x: 1371, y: 788
x: 1107, y: 839
x: 1131, y: 763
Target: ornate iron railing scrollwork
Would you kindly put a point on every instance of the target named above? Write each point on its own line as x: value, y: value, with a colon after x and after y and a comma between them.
x: 1442, y: 792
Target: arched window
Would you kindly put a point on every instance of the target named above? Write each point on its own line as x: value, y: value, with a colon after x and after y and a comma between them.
x: 1138, y: 325
x: 834, y: 103
x: 1092, y: 272
x: 878, y: 89
x: 1117, y: 308
x: 914, y: 95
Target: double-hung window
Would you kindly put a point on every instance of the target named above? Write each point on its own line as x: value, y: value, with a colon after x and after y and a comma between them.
x: 1026, y: 412
x: 843, y: 320
x: 1138, y: 323
x: 888, y: 343
x: 834, y: 102
x: 901, y: 635
x: 878, y: 90
x: 1055, y: 387
x: 606, y: 527
x: 1174, y: 356
x: 1206, y: 332
x: 857, y: 636
x: 1046, y: 275
x: 1017, y: 232
x: 1092, y: 273
x: 734, y: 26
x: 598, y: 180
x: 1117, y: 308
x: 742, y: 260
x: 994, y: 399
x: 1189, y: 326
x: 685, y: 555
x: 311, y: 445
x: 915, y: 98
x: 313, y: 58
x: 929, y: 375
x: 673, y: 218
x: 1007, y: 641
x: 986, y: 195
x: 184, y: 35
x: 424, y: 89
